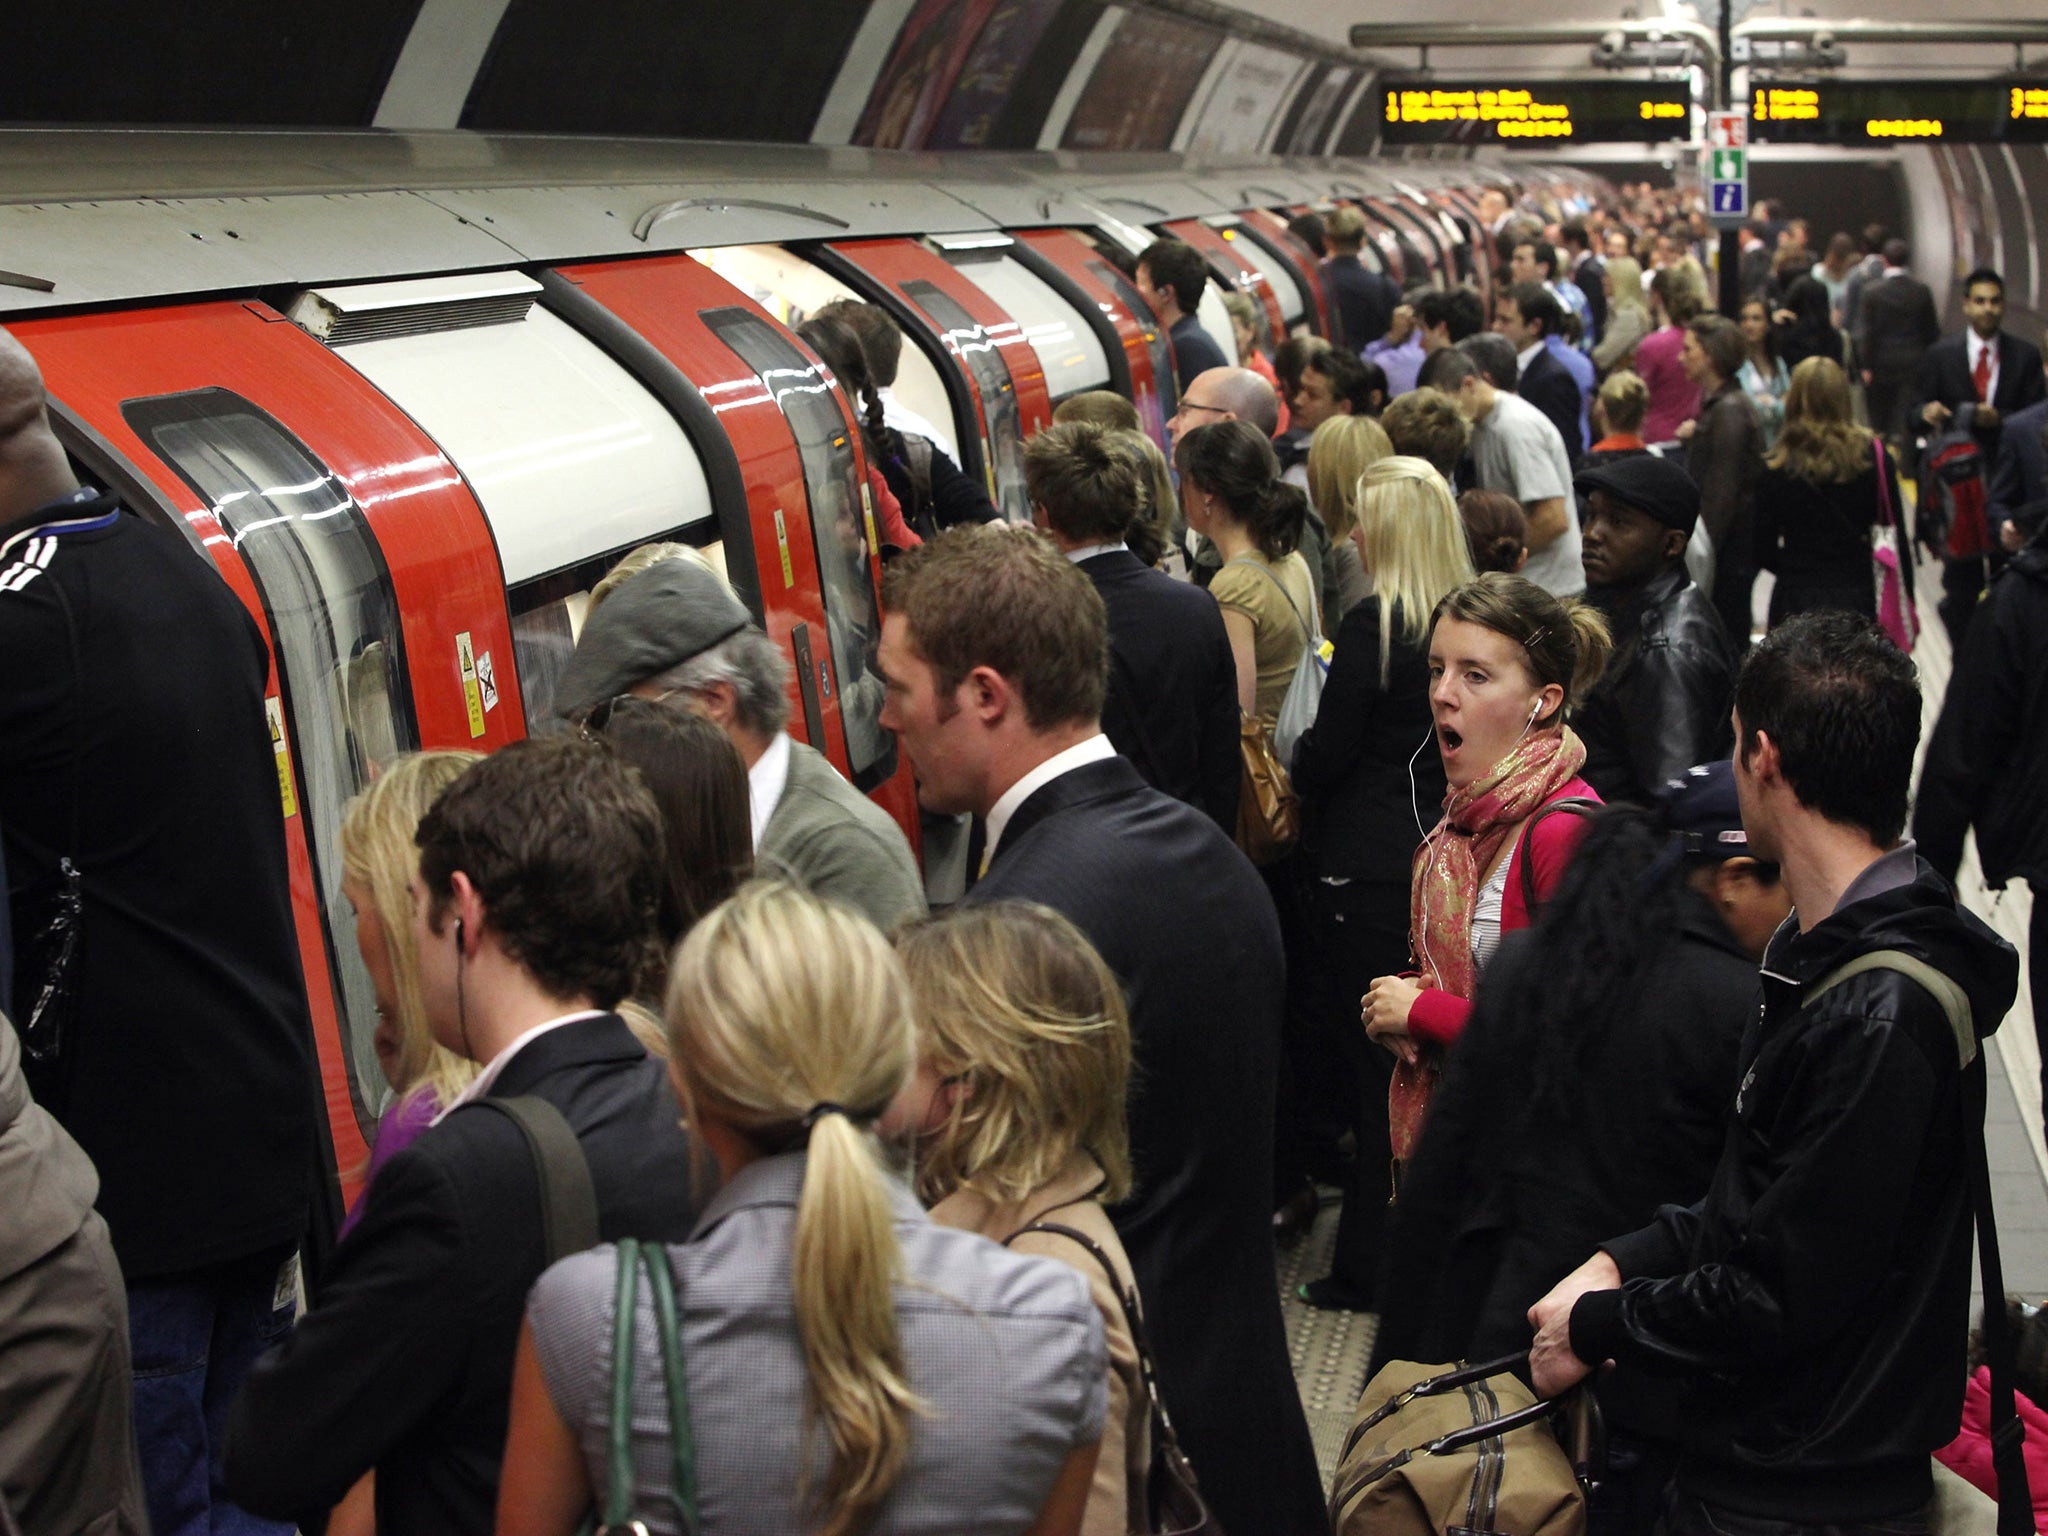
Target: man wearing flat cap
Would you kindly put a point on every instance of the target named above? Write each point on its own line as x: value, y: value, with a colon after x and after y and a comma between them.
x: 675, y: 631
x: 1663, y: 702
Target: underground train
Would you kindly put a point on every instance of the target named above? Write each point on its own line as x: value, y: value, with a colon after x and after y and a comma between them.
x: 413, y: 395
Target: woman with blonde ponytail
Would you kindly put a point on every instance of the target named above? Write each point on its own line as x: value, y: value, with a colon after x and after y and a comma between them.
x: 838, y: 1346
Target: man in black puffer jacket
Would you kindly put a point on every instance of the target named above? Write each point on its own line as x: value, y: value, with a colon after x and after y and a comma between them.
x: 1988, y: 762
x: 1817, y: 1299
x: 1662, y: 703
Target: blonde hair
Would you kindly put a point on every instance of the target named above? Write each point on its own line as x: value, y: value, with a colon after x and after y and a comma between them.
x: 1013, y: 1000
x: 1339, y: 451
x: 1626, y: 274
x: 1413, y: 544
x: 379, y: 855
x: 1820, y: 440
x: 779, y: 1003
x: 1157, y: 498
x: 633, y: 562
x: 1624, y: 400
x: 1104, y: 407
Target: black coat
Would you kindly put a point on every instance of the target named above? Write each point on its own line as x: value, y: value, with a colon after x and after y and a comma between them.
x: 1172, y: 702
x: 1194, y: 351
x: 943, y: 497
x: 1817, y: 1299
x: 1591, y: 276
x: 188, y: 1072
x: 1661, y: 705
x: 1896, y: 325
x: 405, y: 1364
x: 1369, y: 774
x: 1987, y: 764
x: 1816, y: 536
x: 1945, y: 376
x: 1185, y: 922
x: 1505, y: 1197
x: 1549, y: 386
x: 1365, y: 300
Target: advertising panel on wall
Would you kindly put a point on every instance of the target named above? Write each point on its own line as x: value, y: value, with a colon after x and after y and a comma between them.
x: 1246, y: 94
x: 1142, y: 84
x: 987, y: 81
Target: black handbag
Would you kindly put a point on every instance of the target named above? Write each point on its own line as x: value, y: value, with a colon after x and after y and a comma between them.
x: 1172, y: 1495
x: 49, y: 984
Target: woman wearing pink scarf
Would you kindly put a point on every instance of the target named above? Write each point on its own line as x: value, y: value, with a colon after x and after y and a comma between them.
x: 1506, y: 661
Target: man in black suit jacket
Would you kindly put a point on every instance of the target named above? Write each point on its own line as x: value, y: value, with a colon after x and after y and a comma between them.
x: 1527, y: 315
x: 1997, y: 373
x: 995, y: 651
x: 1895, y: 325
x: 1365, y: 299
x: 542, y: 869
x: 1172, y: 702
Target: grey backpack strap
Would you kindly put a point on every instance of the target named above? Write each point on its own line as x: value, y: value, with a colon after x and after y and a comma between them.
x: 1955, y: 1003
x: 568, y: 1199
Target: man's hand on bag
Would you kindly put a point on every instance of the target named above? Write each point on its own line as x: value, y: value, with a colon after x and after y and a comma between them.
x: 1385, y: 1009
x: 1553, y: 1368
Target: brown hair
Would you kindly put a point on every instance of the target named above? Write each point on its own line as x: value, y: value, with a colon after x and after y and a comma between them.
x: 1085, y: 480
x: 1496, y: 528
x: 1012, y: 1000
x: 1000, y: 596
x: 1681, y: 297
x: 1722, y: 340
x: 1427, y: 424
x: 1103, y: 407
x: 1149, y: 534
x: 1563, y: 641
x: 880, y: 341
x: 1820, y: 440
x: 564, y: 845
x: 699, y: 781
x: 1233, y: 461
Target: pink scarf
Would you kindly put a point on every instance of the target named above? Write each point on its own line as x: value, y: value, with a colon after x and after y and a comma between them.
x: 1448, y: 867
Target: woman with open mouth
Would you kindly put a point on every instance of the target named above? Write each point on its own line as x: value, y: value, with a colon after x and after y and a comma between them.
x: 1506, y: 662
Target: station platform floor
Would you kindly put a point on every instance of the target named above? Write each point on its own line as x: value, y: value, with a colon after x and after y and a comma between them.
x: 1330, y: 1350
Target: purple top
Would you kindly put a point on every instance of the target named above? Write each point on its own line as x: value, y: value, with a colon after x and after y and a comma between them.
x: 408, y: 1116
x: 1400, y: 364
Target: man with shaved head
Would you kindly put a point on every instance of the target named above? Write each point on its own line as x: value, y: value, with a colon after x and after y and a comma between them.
x: 1218, y: 394
x: 139, y: 799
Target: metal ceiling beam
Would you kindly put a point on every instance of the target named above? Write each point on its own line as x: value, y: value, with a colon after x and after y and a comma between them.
x: 1486, y: 34
x: 1855, y: 30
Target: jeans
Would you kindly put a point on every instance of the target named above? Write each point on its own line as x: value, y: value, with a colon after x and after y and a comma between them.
x: 193, y: 1337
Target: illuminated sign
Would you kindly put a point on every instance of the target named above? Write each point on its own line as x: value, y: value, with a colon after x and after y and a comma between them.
x: 1534, y: 112
x: 1894, y: 111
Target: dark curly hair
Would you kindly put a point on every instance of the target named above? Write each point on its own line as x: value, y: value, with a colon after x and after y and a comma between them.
x: 564, y: 845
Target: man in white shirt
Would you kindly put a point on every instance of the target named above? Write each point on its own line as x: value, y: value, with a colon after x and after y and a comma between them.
x: 676, y: 632
x: 1515, y: 449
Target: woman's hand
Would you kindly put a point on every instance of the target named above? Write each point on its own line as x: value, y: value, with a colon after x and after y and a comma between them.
x: 1685, y: 431
x: 1385, y: 1009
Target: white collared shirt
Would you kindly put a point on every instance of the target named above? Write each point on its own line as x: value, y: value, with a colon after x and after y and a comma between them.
x: 903, y: 419
x: 1977, y: 347
x: 487, y: 1078
x: 766, y: 781
x: 1090, y: 551
x: 1079, y: 755
x: 1524, y: 357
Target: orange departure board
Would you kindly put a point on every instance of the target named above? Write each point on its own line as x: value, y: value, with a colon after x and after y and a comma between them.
x: 1895, y: 111
x: 1534, y: 112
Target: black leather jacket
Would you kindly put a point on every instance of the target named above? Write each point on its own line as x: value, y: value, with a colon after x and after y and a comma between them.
x: 1817, y: 1300
x: 1662, y: 704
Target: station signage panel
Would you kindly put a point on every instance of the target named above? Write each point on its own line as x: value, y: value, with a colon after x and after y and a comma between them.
x: 1724, y: 166
x: 1864, y: 112
x: 1534, y: 112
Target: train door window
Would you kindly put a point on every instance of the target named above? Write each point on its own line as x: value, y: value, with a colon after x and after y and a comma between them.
x: 853, y: 618
x: 1163, y: 380
x: 978, y: 354
x: 1250, y: 251
x: 1215, y: 319
x: 792, y: 289
x: 340, y: 652
x: 1067, y: 347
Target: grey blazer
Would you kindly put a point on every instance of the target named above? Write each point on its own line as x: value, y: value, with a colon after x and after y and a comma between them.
x: 839, y: 843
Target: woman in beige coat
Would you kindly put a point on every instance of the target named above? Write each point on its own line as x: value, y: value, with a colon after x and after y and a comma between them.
x: 1016, y: 1118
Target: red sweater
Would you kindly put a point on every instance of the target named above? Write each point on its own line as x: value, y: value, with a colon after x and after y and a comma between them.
x: 1438, y: 1016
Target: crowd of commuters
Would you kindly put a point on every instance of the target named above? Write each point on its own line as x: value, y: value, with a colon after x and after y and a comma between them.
x: 1379, y: 784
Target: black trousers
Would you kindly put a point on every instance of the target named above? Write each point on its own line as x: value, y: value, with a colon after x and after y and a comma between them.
x: 2037, y: 963
x: 1962, y: 585
x: 1359, y: 930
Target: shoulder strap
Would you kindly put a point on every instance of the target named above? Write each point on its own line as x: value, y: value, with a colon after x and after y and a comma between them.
x: 1574, y: 805
x: 568, y: 1199
x: 1884, y: 486
x: 2015, y: 1500
x: 1267, y: 571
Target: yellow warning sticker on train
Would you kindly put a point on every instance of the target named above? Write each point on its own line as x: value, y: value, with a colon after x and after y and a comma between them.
x: 782, y: 545
x: 472, y: 693
x: 273, y: 711
x: 867, y: 508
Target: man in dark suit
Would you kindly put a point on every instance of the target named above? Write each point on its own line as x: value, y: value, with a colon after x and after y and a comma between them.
x: 1896, y: 324
x: 2019, y: 477
x: 540, y: 873
x: 1171, y: 708
x: 1528, y: 315
x: 1365, y: 299
x: 996, y: 651
x: 1987, y: 368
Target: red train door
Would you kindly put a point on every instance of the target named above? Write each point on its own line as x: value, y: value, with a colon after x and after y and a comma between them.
x: 992, y: 349
x: 1271, y: 231
x: 1232, y: 269
x: 361, y: 551
x: 1148, y: 355
x: 810, y: 530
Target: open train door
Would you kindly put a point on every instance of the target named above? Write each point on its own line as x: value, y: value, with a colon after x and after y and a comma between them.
x: 1271, y: 231
x: 1062, y: 255
x: 1233, y: 267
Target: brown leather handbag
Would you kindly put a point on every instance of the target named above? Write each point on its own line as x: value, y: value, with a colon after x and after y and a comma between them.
x: 1268, y: 812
